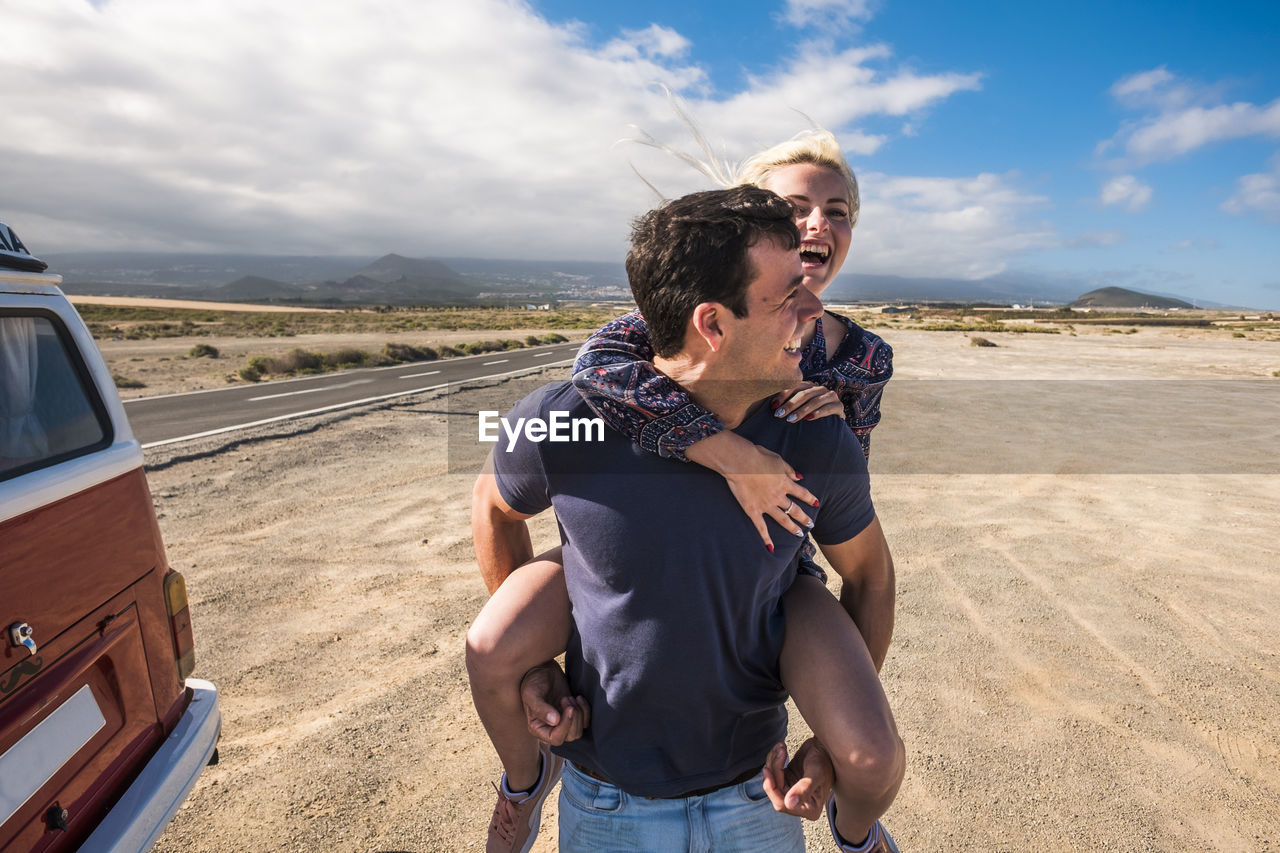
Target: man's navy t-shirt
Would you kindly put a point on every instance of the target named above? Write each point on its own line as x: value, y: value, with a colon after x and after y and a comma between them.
x: 677, y: 611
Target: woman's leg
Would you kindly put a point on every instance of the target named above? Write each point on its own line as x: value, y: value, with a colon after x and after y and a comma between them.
x: 525, y: 623
x: 829, y: 672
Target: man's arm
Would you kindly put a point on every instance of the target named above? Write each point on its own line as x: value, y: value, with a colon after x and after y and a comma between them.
x: 500, y: 534
x: 865, y: 567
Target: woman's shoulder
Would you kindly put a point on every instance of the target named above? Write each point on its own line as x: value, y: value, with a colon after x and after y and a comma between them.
x: 865, y: 349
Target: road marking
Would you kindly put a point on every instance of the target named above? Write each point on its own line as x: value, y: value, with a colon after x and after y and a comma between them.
x: 555, y: 348
x: 416, y: 375
x: 499, y: 361
x: 311, y: 390
x: 543, y: 354
x: 334, y: 407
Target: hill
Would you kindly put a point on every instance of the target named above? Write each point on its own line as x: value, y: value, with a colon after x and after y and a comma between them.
x: 1119, y: 297
x: 254, y: 288
x: 396, y: 280
x: 395, y: 267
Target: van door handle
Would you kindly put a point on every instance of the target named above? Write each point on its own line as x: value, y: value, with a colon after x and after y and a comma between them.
x: 20, y: 635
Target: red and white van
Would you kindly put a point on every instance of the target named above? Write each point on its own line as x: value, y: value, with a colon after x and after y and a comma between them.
x: 102, y: 734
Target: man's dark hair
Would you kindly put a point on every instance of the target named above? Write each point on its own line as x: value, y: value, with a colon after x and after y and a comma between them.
x: 694, y: 250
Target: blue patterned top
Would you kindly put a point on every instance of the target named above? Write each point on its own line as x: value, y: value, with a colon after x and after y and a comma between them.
x: 614, y: 372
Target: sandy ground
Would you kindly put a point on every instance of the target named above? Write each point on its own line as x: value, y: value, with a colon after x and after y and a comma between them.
x: 1082, y: 660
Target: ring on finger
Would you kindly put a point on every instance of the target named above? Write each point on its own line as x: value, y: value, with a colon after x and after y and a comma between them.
x: 788, y: 507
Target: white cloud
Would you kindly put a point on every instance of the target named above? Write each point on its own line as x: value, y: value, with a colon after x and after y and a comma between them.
x: 1096, y: 239
x: 417, y: 126
x: 945, y: 227
x: 656, y: 41
x: 831, y: 14
x: 1173, y: 134
x: 1196, y: 243
x: 1126, y: 190
x: 1145, y: 87
x: 1257, y: 194
x: 1181, y: 116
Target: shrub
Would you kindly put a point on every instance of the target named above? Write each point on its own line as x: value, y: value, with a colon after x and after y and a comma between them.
x: 345, y: 357
x: 554, y: 338
x: 1238, y: 334
x: 447, y: 351
x: 249, y: 373
x: 532, y: 341
x: 203, y: 351
x: 480, y: 347
x: 261, y: 364
x: 407, y: 352
x: 982, y: 342
x: 298, y: 360
x: 126, y: 382
x: 509, y: 343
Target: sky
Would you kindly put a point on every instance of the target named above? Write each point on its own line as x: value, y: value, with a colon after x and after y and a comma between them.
x: 1105, y: 143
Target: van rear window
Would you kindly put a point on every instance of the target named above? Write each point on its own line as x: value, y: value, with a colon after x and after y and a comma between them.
x: 49, y: 411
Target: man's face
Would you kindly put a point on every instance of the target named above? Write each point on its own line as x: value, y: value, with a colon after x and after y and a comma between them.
x: 762, y: 349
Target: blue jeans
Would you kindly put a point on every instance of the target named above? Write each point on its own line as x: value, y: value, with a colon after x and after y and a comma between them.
x: 596, y: 817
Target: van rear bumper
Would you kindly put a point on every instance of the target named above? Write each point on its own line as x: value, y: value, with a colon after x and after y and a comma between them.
x: 136, y: 821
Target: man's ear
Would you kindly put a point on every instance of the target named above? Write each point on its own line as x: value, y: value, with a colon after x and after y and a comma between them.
x: 708, y: 319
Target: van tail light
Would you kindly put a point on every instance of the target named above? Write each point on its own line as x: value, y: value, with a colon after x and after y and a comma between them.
x: 175, y: 598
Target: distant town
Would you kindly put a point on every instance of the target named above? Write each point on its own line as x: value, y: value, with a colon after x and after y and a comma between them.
x: 397, y: 280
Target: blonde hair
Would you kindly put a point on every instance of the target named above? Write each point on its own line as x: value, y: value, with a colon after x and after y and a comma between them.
x: 815, y: 147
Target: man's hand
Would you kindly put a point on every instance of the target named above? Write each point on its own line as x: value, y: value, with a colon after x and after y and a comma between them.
x: 553, y: 715
x: 803, y: 786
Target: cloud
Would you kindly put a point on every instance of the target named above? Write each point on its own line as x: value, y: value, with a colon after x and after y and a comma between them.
x: 1181, y: 116
x: 949, y: 227
x: 1257, y: 194
x: 1141, y: 84
x: 656, y: 42
x: 1126, y: 190
x: 831, y: 14
x: 426, y: 127
x: 1196, y: 243
x: 1096, y: 239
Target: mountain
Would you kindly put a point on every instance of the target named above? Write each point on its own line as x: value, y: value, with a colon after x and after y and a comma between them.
x: 389, y: 268
x: 189, y: 269
x: 1119, y: 297
x: 254, y: 288
x: 389, y: 280
x: 396, y: 280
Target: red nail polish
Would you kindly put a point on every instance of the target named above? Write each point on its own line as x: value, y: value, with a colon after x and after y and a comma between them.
x: 799, y: 476
x: 770, y: 547
x: 815, y: 502
x: 809, y: 417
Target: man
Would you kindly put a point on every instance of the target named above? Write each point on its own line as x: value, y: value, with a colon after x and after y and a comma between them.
x: 677, y: 618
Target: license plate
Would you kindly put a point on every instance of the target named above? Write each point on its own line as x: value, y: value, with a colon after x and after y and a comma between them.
x: 31, y: 762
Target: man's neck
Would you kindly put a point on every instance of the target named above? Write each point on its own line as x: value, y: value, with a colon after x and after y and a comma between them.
x: 723, y: 397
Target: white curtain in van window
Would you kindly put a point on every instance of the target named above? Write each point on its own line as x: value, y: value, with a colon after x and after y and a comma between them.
x: 21, y: 436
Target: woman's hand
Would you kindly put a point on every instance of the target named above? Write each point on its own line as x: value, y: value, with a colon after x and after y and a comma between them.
x: 806, y: 401
x: 764, y: 485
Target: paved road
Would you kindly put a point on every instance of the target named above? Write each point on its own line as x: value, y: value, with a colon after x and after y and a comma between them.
x: 178, y: 417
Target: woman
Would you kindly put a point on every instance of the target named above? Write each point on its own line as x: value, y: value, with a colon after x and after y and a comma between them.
x: 527, y: 620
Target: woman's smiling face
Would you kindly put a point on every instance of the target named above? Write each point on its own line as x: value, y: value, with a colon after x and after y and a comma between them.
x: 821, y: 201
